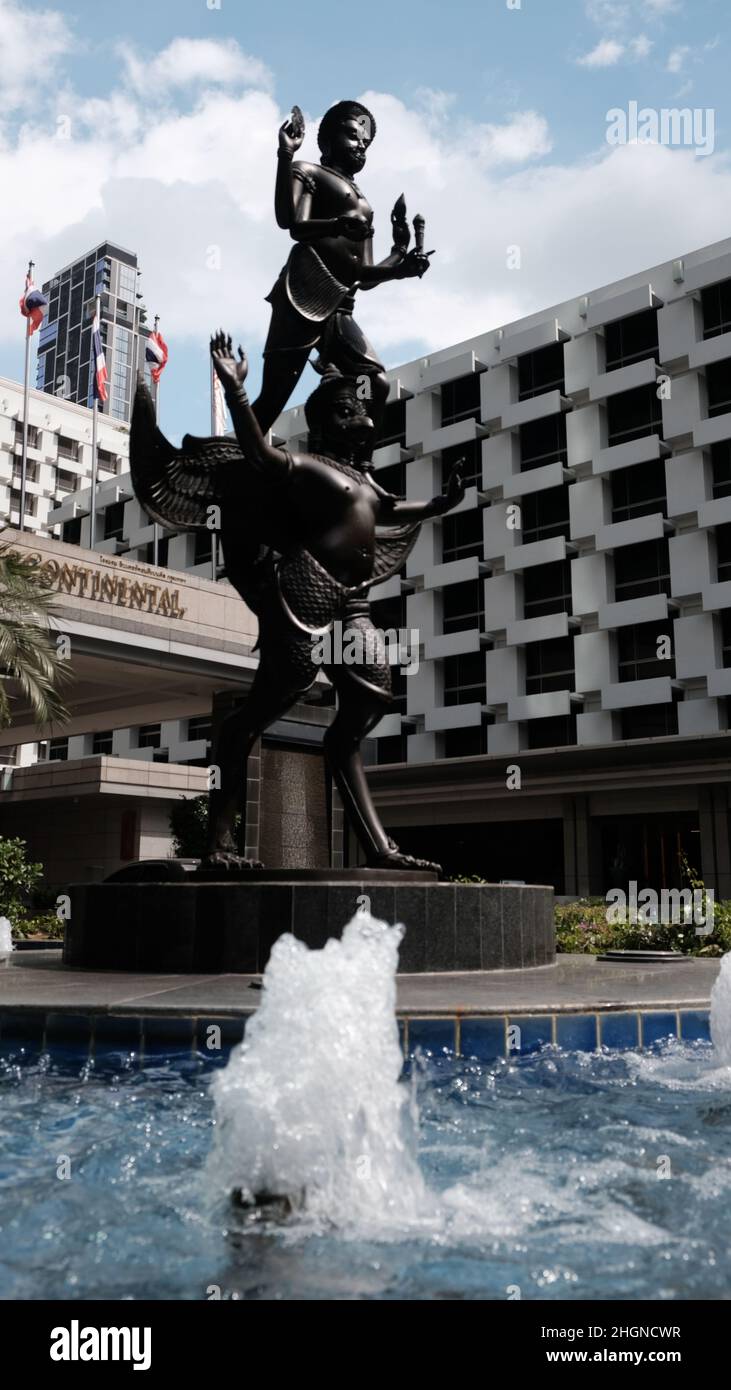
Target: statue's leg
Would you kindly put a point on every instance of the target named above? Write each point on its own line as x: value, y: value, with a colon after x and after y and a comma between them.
x: 278, y: 683
x: 281, y: 372
x: 364, y: 696
x: 350, y: 351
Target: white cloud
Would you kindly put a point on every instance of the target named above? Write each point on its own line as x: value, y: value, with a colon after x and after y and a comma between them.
x: 193, y: 61
x: 662, y: 6
x: 640, y: 47
x: 525, y: 136
x: 605, y: 55
x: 32, y: 46
x: 676, y: 59
x: 172, y: 185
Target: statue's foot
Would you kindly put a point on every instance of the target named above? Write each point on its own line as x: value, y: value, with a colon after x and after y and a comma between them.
x: 393, y: 858
x: 224, y: 861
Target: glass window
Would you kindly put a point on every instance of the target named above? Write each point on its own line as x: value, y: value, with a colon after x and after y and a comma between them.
x: 633, y: 414
x: 149, y: 736
x: 547, y: 589
x: 543, y: 441
x: 637, y: 650
x: 721, y: 465
x: 469, y: 455
x: 102, y: 743
x: 650, y: 721
x: 463, y: 606
x: 393, y: 424
x: 464, y: 679
x: 631, y: 339
x: 716, y: 304
x: 718, y: 383
x: 545, y: 514
x: 461, y: 399
x: 114, y: 521
x: 723, y: 552
x: 199, y: 727
x: 642, y: 569
x: 541, y: 371
x: 549, y: 665
x: 462, y: 536
x: 639, y: 491
x: 58, y: 750
x: 557, y: 732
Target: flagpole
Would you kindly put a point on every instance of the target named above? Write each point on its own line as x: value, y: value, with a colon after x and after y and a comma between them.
x: 214, y: 430
x: 94, y: 415
x: 26, y: 406
x: 155, y: 525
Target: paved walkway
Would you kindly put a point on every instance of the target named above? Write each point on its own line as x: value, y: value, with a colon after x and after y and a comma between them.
x: 36, y: 980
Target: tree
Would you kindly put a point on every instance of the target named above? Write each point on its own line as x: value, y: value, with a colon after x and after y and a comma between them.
x: 28, y: 657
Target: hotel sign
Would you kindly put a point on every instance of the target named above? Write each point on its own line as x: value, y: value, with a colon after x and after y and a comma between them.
x: 122, y: 590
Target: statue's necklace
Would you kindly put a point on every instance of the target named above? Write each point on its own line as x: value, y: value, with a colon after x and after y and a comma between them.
x: 351, y: 182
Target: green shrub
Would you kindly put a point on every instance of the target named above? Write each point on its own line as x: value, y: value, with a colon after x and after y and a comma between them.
x: 18, y: 879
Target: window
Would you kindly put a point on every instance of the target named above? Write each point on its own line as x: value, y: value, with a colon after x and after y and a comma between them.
x: 107, y: 460
x: 723, y: 552
x: 716, y: 302
x: 462, y: 536
x: 557, y: 732
x: 9, y: 756
x: 640, y: 570
x: 461, y: 399
x: 639, y: 491
x: 721, y: 465
x: 71, y: 531
x: 545, y: 514
x: 464, y: 679
x: 469, y: 455
x: 149, y: 736
x: 33, y: 435
x: 31, y: 502
x: 631, y: 339
x: 114, y: 521
x: 65, y: 481
x: 393, y: 478
x: 391, y: 750
x: 543, y: 441
x: 163, y: 546
x: 466, y: 743
x: 102, y: 743
x: 718, y: 383
x: 31, y: 471
x: 547, y: 589
x: 58, y: 750
x: 726, y: 636
x: 463, y: 606
x: 199, y: 727
x: 650, y: 721
x: 68, y: 448
x: 203, y: 553
x: 637, y: 650
x: 541, y: 371
x: 634, y: 414
x: 393, y: 425
x: 549, y: 665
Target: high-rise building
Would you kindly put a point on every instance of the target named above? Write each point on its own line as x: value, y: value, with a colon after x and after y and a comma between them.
x: 65, y: 366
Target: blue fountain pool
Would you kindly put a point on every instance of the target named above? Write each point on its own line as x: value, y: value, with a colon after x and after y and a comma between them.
x: 559, y: 1175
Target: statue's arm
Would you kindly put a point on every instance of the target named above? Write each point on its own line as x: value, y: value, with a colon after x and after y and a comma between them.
x: 232, y: 375
x: 394, y: 509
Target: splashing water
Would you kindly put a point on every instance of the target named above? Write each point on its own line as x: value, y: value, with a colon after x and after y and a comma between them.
x: 310, y: 1105
x: 721, y: 1013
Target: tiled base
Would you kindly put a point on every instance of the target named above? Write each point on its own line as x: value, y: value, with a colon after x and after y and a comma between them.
x: 485, y: 1038
x: 199, y: 927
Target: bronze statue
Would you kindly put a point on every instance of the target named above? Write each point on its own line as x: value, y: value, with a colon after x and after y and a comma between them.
x: 299, y: 531
x: 331, y: 223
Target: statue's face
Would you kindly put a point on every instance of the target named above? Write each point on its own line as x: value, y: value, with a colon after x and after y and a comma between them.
x: 348, y: 427
x: 349, y: 144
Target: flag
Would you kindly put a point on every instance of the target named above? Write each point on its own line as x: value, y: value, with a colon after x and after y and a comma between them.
x: 100, y: 364
x: 32, y: 306
x: 156, y: 351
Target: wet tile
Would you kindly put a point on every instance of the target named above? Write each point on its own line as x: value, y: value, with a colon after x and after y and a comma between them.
x: 620, y: 1030
x: 695, y: 1025
x: 576, y: 1032
x: 483, y: 1038
x: 534, y: 1032
x: 434, y: 1035
x: 657, y: 1026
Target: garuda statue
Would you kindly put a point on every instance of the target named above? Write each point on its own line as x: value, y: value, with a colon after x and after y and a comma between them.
x: 304, y: 535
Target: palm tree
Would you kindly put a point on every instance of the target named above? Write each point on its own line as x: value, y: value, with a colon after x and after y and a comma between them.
x: 28, y: 657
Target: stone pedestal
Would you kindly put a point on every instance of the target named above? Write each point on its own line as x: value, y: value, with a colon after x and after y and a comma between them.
x: 198, y: 926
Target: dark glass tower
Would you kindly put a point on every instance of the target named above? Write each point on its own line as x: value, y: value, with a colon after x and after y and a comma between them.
x: 65, y: 366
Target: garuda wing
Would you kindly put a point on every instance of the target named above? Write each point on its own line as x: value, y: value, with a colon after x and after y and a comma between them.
x: 175, y: 486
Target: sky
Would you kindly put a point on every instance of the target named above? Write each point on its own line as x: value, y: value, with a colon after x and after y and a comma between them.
x: 154, y: 125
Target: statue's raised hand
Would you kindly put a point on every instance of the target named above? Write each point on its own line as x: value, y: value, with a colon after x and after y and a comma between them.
x: 292, y: 133
x: 453, y: 493
x: 231, y: 373
x: 399, y: 225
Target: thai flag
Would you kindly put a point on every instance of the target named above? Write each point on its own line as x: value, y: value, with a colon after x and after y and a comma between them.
x: 156, y: 350
x: 32, y: 306
x: 101, y: 376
